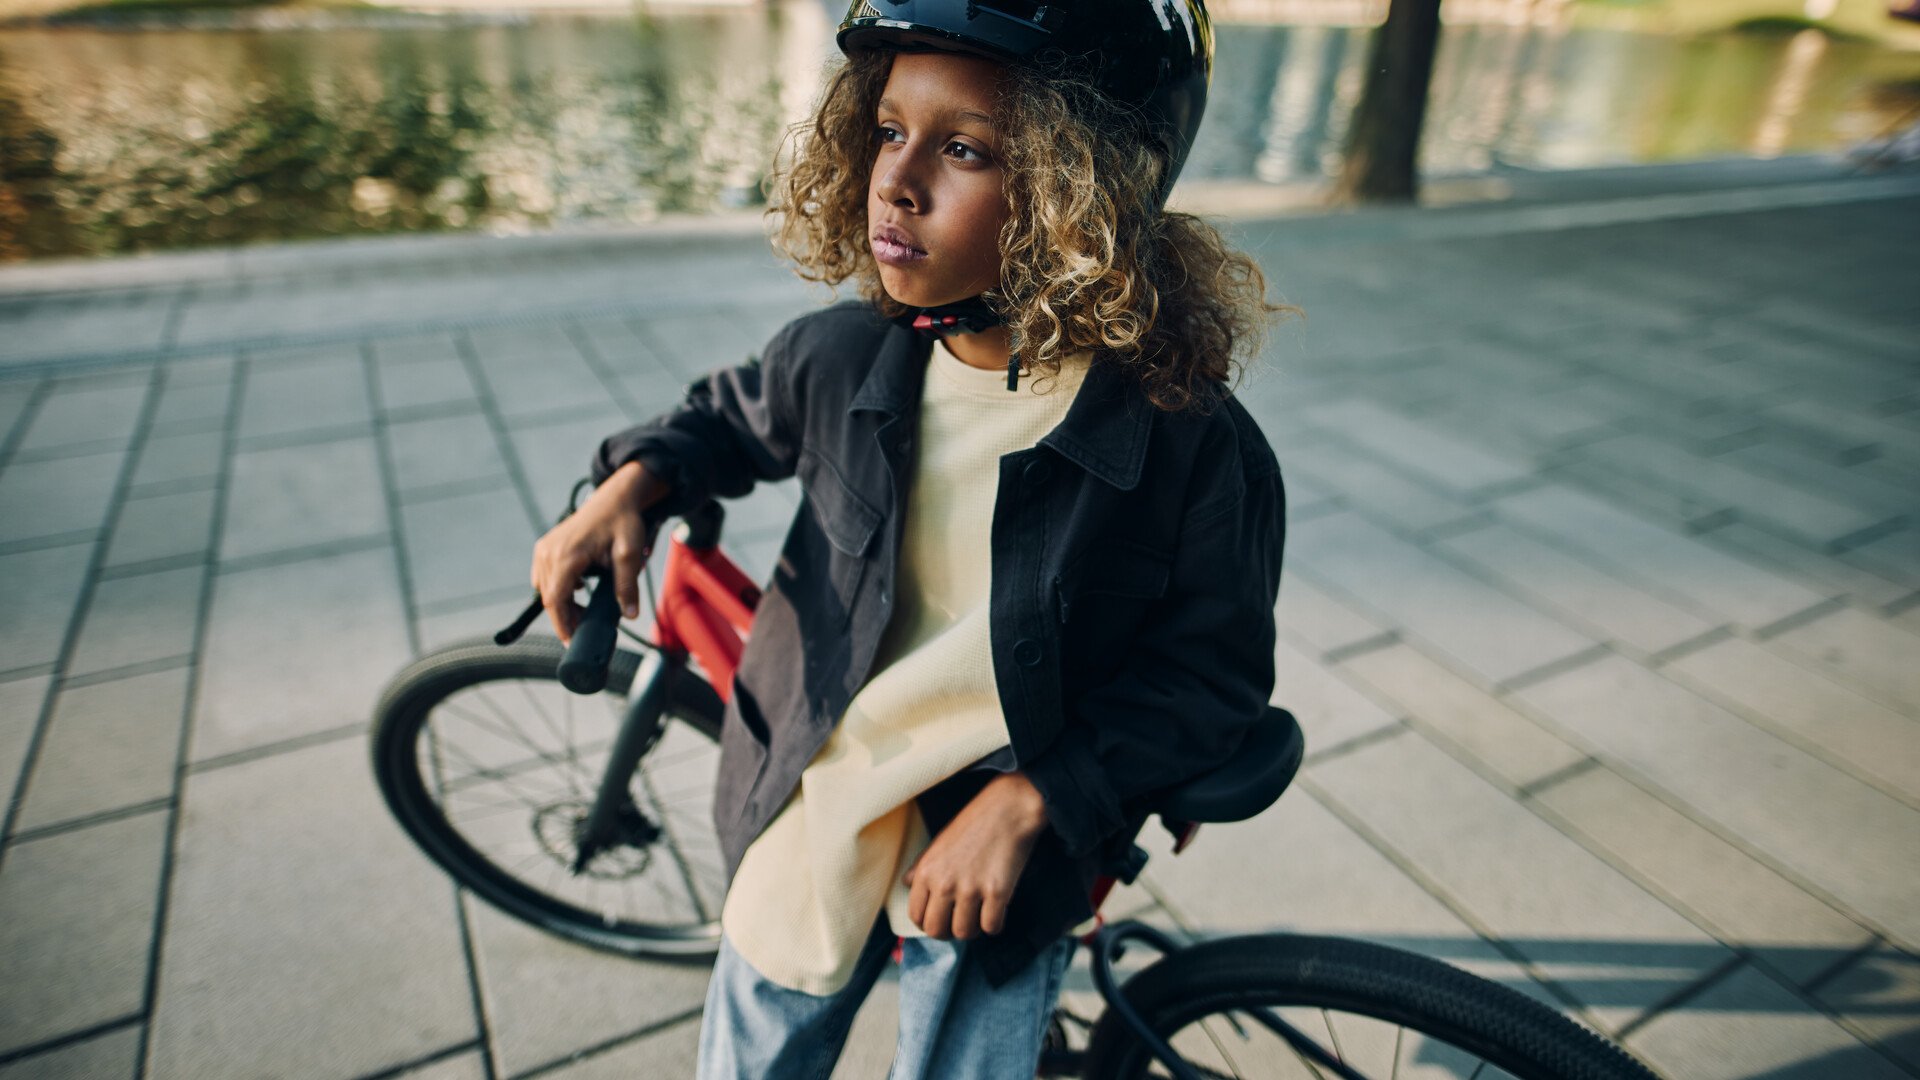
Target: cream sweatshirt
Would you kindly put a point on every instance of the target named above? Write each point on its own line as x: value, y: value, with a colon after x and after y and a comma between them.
x: 810, y: 886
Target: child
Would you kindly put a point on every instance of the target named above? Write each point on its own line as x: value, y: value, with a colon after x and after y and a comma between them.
x: 1034, y: 576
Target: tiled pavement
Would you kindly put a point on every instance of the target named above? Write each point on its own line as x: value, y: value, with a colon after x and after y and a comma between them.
x: 1602, y: 613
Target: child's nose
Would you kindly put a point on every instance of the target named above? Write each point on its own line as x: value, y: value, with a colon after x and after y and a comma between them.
x: 900, y: 181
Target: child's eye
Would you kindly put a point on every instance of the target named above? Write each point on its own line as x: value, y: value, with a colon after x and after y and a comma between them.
x: 965, y: 150
x: 883, y: 132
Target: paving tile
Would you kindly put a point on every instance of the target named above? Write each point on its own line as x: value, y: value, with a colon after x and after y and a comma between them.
x: 537, y: 370
x: 13, y: 404
x: 483, y: 618
x: 423, y: 379
x: 555, y: 454
x: 42, y: 589
x: 466, y: 546
x: 696, y: 342
x: 1330, y: 711
x: 82, y: 411
x: 607, y: 996
x: 1585, y: 595
x: 113, y: 1056
x: 20, y: 703
x: 1321, y: 622
x: 1830, y: 719
x: 1486, y: 630
x: 1419, y: 448
x: 1747, y: 1025
x: 192, y: 403
x: 444, y: 450
x: 1895, y: 555
x: 330, y: 391
x: 1481, y: 726
x: 305, y: 935
x: 298, y: 496
x: 47, y: 498
x: 1854, y: 841
x: 1830, y: 574
x: 296, y: 649
x: 179, y: 457
x: 1880, y: 997
x: 134, y: 620
x: 76, y: 926
x: 1297, y: 868
x: 1376, y: 489
x: 107, y: 745
x: 1604, y: 939
x: 1716, y: 583
x: 1808, y: 514
x: 1742, y: 901
x: 200, y: 370
x: 1864, y: 650
x: 162, y: 526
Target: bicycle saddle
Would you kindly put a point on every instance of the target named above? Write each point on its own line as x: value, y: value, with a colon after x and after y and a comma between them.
x: 1250, y: 781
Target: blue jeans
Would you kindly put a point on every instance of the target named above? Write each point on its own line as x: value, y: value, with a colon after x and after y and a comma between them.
x: 953, y: 1026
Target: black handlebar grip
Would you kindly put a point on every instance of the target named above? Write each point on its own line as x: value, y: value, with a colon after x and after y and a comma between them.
x: 584, y: 669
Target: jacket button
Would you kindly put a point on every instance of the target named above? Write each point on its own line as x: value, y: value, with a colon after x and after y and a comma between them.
x: 1037, y: 471
x: 1027, y: 652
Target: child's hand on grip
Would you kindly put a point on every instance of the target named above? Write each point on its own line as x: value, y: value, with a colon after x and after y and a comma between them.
x: 606, y: 530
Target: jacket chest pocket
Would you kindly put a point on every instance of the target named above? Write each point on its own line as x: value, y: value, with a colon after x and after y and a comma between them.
x: 848, y: 522
x: 1112, y: 580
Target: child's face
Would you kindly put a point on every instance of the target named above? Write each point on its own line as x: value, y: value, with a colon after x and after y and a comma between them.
x: 936, y: 180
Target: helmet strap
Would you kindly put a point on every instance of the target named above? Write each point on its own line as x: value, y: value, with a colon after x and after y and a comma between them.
x: 969, y: 316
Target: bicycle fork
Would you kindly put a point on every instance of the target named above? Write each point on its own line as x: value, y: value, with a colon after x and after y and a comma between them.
x: 614, y: 819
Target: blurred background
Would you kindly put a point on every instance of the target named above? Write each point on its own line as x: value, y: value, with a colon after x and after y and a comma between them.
x: 136, y: 125
x: 1600, y: 434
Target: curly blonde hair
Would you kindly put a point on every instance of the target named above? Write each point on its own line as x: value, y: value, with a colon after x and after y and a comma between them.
x: 1088, y: 260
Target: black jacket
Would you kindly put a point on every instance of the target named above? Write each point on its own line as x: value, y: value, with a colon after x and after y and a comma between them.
x: 1135, y: 566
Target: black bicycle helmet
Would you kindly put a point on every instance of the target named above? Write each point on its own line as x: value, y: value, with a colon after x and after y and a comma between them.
x: 1155, y: 55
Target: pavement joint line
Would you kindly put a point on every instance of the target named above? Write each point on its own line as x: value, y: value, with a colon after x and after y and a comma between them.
x: 277, y: 747
x: 190, y: 702
x: 29, y: 412
x: 1340, y: 654
x: 586, y: 1053
x: 31, y: 671
x: 51, y: 540
x: 453, y: 605
x: 126, y: 671
x: 77, y: 617
x: 193, y: 425
x: 160, y: 564
x: 88, y: 821
x: 1846, y: 963
x: 436, y: 410
x: 178, y: 486
x: 288, y: 556
x: 1554, y: 668
x: 1694, y: 644
x: 1427, y: 884
x: 284, y: 440
x: 503, y: 440
x: 476, y: 996
x: 1557, y: 777
x: 67, y: 451
x: 71, y: 1038
x: 1681, y: 996
x: 1354, y: 744
x: 451, y: 489
x: 1842, y: 544
x: 1800, y: 618
x: 433, y: 1058
x: 1903, y: 605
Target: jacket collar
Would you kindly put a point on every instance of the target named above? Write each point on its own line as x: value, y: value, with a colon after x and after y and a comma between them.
x: 1104, y: 432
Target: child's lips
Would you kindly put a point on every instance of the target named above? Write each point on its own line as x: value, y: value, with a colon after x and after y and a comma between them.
x: 894, y: 253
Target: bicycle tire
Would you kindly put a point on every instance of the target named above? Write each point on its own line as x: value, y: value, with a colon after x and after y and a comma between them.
x: 1491, y: 1022
x: 401, y: 722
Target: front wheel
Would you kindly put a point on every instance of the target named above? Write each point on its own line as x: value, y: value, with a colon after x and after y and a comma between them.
x: 1379, y: 1011
x: 491, y: 766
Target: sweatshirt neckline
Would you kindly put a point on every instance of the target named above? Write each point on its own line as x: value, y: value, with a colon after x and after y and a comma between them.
x: 992, y: 382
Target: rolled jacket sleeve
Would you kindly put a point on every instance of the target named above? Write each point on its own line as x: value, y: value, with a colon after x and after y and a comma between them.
x: 735, y: 427
x: 1192, y: 685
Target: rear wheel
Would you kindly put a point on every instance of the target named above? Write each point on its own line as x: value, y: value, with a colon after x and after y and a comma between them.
x: 491, y: 766
x: 1382, y: 1012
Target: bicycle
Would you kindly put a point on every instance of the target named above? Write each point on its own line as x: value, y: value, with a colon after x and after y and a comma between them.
x: 475, y: 788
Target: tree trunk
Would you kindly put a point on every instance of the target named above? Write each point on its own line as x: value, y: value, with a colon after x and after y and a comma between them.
x: 1383, y: 141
